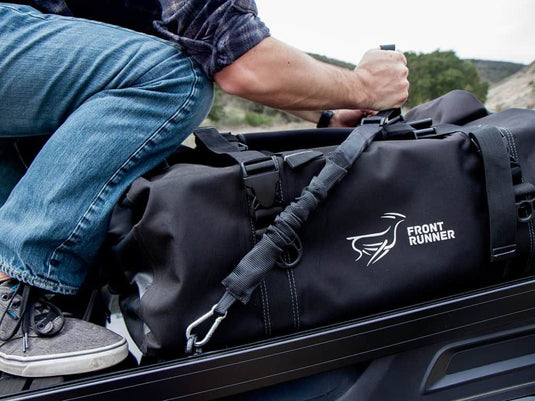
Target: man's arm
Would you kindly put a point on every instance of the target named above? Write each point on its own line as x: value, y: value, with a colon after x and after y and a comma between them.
x: 280, y: 76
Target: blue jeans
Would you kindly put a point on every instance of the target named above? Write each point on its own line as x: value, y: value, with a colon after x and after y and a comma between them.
x: 114, y: 102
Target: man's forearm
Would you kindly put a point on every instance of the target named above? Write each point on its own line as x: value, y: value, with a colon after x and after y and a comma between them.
x: 280, y: 76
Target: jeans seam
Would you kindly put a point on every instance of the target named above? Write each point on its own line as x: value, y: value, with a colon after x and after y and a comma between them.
x: 120, y: 171
x: 44, y: 283
x: 28, y: 13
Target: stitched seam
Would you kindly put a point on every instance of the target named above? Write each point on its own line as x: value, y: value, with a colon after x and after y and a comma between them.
x: 268, y: 310
x: 263, y: 309
x: 291, y: 296
x: 296, y: 299
x: 67, y: 289
x: 120, y: 171
x: 288, y: 274
x: 264, y: 317
x: 28, y: 13
x: 268, y: 314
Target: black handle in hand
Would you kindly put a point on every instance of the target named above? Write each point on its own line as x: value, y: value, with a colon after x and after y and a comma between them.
x: 388, y: 47
x: 391, y: 113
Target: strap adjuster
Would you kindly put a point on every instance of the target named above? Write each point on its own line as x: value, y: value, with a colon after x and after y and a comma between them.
x: 377, y: 120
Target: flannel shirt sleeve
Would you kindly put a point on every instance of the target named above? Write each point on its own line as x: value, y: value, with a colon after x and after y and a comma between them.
x: 213, y: 32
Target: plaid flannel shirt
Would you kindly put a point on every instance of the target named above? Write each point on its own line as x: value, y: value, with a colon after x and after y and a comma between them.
x: 213, y: 32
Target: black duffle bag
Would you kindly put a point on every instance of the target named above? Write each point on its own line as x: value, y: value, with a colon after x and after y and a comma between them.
x: 253, y: 236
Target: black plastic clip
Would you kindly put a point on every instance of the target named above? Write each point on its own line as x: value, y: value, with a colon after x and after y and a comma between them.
x: 421, y: 124
x: 262, y: 176
x: 425, y: 133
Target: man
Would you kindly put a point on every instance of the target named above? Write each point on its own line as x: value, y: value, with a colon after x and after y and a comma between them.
x: 114, y: 103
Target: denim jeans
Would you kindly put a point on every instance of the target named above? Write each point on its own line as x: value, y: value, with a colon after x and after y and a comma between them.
x: 114, y: 102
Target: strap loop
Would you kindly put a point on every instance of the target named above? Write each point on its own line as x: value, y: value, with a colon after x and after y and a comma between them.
x: 500, y: 192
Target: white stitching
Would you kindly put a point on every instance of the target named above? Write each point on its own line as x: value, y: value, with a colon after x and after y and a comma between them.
x: 263, y: 308
x: 296, y: 299
x: 292, y: 297
x: 268, y: 314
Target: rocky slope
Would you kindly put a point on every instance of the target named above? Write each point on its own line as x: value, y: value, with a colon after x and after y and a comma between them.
x: 518, y: 90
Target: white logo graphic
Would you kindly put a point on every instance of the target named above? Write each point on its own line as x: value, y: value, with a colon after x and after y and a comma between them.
x: 379, y: 244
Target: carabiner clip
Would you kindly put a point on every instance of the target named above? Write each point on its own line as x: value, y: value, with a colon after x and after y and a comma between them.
x: 202, y: 319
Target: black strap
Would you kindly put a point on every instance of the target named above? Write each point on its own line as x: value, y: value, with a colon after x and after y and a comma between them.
x: 214, y: 142
x: 249, y: 273
x: 500, y: 192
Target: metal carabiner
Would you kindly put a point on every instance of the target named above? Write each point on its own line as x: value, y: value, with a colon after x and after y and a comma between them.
x: 201, y: 320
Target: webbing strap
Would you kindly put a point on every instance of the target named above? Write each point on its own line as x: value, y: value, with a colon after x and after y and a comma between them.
x: 251, y: 270
x: 212, y: 140
x: 500, y: 192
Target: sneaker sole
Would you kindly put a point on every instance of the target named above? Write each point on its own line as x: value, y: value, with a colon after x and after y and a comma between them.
x: 65, y: 364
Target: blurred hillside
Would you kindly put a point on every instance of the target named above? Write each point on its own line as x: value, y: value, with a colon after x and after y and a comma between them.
x: 517, y: 90
x: 495, y: 71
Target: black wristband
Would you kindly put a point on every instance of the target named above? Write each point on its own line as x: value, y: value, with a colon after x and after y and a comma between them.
x: 325, y: 119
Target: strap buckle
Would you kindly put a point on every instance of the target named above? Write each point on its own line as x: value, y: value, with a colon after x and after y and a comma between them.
x: 262, y: 176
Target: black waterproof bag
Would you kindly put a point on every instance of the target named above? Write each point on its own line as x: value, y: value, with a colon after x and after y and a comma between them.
x: 313, y: 227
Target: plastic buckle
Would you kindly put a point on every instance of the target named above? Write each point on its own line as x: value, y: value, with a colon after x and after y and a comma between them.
x: 262, y: 176
x: 425, y: 133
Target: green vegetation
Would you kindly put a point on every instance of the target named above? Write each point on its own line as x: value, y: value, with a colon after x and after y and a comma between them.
x: 434, y: 74
x: 231, y: 112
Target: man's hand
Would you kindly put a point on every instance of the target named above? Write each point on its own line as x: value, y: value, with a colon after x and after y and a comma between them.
x: 349, y: 118
x: 383, y: 76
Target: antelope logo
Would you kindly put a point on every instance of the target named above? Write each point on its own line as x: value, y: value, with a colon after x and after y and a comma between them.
x: 379, y: 244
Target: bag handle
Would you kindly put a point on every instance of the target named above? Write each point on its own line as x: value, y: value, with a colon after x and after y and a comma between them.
x: 251, y: 270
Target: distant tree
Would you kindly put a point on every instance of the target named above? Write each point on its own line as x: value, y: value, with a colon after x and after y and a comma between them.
x: 434, y: 74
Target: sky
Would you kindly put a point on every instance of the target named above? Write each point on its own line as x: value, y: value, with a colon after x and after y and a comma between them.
x: 502, y: 30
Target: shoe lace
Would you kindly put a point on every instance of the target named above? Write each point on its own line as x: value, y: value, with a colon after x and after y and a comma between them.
x: 35, y: 312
